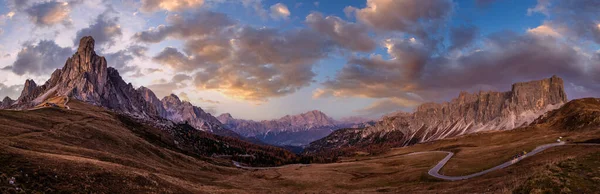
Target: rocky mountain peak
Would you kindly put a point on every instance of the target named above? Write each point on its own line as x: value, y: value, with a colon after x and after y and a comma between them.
x: 468, y: 113
x: 151, y: 98
x: 85, y: 64
x: 536, y: 94
x: 87, y: 78
x: 299, y: 129
x: 86, y: 48
x: 315, y: 113
x: 171, y: 99
x: 30, y: 83
x: 6, y: 102
x: 225, y: 116
x: 29, y: 87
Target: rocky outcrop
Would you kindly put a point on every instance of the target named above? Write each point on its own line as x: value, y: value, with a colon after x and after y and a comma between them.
x: 183, y: 111
x: 87, y: 78
x: 176, y: 110
x: 470, y: 113
x: 6, y: 102
x: 297, y: 130
x: 151, y: 98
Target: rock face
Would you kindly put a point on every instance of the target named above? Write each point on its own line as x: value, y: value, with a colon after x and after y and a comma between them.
x: 151, y: 98
x: 296, y: 130
x: 87, y: 78
x: 176, y: 110
x: 469, y: 113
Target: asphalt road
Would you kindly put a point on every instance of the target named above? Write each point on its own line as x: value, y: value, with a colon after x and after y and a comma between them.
x: 435, y: 171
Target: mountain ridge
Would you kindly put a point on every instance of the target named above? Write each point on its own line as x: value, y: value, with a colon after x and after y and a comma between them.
x: 87, y: 77
x: 296, y: 130
x: 468, y: 113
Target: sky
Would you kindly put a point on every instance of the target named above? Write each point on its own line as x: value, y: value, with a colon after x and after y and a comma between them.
x: 264, y: 59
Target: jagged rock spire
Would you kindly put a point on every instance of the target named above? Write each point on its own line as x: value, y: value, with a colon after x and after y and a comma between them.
x: 86, y: 48
x: 87, y: 78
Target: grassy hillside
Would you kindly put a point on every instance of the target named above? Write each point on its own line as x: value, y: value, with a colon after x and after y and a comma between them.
x: 88, y: 149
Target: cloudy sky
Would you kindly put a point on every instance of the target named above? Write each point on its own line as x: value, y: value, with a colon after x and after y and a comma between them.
x: 263, y: 59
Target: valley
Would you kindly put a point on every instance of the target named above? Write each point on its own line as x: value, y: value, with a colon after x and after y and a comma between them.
x: 86, y: 130
x: 86, y: 149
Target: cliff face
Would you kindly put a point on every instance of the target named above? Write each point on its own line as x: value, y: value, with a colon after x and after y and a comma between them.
x: 183, y: 111
x: 471, y: 113
x: 86, y: 77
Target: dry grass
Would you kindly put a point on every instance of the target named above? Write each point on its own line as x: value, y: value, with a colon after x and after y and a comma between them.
x: 87, y: 149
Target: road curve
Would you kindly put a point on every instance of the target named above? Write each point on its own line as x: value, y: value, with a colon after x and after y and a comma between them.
x: 67, y: 101
x: 435, y: 171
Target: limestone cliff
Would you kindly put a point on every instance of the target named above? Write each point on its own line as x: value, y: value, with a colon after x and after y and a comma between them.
x: 470, y: 113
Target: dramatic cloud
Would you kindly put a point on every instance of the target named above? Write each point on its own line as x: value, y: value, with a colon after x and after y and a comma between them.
x: 280, y: 11
x: 412, y: 16
x: 545, y: 30
x: 462, y: 36
x: 198, y: 25
x: 257, y: 7
x: 349, y: 35
x: 6, y: 17
x: 11, y: 91
x: 49, y: 13
x: 252, y: 64
x: 169, y: 5
x: 17, y: 4
x: 164, y: 88
x: 413, y: 74
x: 40, y: 59
x: 173, y: 58
x: 541, y: 7
x: 209, y: 101
x: 578, y: 20
x: 387, y: 105
x: 105, y: 30
x: 120, y: 60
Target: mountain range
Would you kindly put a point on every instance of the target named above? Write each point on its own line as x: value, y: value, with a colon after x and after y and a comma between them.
x: 469, y: 113
x: 294, y: 130
x: 86, y: 77
x: 87, y: 130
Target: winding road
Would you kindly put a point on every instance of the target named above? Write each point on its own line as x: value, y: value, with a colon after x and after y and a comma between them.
x: 435, y: 171
x: 67, y: 101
